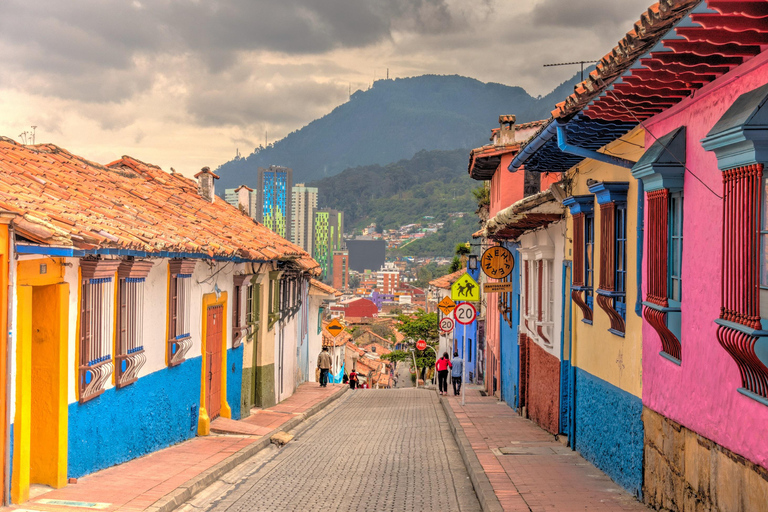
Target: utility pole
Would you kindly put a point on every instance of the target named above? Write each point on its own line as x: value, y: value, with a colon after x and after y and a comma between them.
x: 581, y: 62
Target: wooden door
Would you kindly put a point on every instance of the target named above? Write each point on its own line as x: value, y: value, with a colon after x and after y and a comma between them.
x: 213, y: 342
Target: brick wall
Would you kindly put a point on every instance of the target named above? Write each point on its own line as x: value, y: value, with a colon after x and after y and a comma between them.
x: 542, y: 386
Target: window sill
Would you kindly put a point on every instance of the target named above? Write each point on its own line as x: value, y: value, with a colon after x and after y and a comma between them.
x: 670, y: 358
x: 753, y: 396
x: 588, y: 322
x: 756, y: 333
x: 616, y: 332
x: 663, y: 309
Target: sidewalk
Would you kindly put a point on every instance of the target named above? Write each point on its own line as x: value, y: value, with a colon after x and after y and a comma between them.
x: 163, y: 479
x: 526, y: 468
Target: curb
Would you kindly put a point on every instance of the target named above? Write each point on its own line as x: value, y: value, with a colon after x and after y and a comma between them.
x: 191, y: 487
x: 489, y: 502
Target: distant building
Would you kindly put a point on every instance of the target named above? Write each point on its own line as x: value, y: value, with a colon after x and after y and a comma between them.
x: 273, y: 206
x: 341, y: 270
x: 366, y: 254
x: 388, y: 279
x: 355, y: 308
x: 304, y: 204
x: 243, y: 198
x: 329, y: 229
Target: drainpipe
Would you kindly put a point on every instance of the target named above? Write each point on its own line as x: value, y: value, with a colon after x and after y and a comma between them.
x: 9, y: 364
x: 639, y: 259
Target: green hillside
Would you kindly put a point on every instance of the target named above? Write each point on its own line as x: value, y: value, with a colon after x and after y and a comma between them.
x: 393, y: 120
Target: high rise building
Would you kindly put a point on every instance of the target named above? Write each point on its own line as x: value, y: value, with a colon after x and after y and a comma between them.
x: 329, y: 237
x: 341, y: 270
x: 388, y: 279
x: 230, y: 196
x: 273, y: 206
x: 304, y: 204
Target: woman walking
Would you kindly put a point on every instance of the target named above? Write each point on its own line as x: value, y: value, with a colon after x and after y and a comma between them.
x: 442, y: 366
x: 353, y: 380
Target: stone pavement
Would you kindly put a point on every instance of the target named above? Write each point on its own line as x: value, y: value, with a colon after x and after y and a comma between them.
x: 528, y: 470
x: 145, y: 482
x: 378, y: 450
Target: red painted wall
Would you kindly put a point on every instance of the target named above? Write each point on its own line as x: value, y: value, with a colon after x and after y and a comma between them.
x: 361, y: 308
x: 542, y: 387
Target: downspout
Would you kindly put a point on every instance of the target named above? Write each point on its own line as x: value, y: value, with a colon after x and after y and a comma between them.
x: 9, y: 364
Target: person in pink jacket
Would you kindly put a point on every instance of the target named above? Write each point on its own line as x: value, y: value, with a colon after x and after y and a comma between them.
x: 442, y: 365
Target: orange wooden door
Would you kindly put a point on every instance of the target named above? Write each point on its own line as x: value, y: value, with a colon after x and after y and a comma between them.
x: 214, y: 326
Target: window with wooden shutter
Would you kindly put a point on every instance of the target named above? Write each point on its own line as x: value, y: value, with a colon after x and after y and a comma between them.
x: 129, y: 346
x: 97, y: 299
x: 274, y: 300
x: 179, y: 303
x: 582, y: 211
x: 241, y: 304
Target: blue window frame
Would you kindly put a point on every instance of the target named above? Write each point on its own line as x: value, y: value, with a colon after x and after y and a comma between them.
x: 589, y: 256
x: 675, y: 261
x: 620, y: 273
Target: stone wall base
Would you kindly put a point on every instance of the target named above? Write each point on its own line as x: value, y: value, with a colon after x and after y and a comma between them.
x: 687, y: 472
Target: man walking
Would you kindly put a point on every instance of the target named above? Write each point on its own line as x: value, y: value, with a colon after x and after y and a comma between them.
x: 457, y: 365
x: 324, y: 363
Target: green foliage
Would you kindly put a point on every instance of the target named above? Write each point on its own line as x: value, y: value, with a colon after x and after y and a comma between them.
x: 482, y: 195
x: 428, y: 272
x: 391, y: 121
x: 455, y: 264
x: 419, y: 326
x: 462, y: 249
x: 442, y: 243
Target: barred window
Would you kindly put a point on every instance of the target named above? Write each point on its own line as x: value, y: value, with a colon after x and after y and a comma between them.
x: 129, y: 346
x: 179, y: 338
x: 97, y: 298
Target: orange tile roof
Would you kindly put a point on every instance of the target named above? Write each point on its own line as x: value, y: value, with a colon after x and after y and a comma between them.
x: 66, y: 200
x: 330, y: 290
x: 445, y: 282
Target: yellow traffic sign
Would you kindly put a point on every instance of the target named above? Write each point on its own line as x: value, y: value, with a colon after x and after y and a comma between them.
x: 334, y: 327
x: 446, y: 305
x: 497, y: 262
x: 465, y: 289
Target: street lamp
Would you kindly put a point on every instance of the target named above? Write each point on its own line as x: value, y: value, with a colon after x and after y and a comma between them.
x: 472, y: 262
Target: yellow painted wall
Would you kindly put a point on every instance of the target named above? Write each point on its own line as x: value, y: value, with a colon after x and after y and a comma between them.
x: 40, y: 423
x: 4, y: 268
x: 265, y: 348
x: 609, y: 357
x: 204, y: 421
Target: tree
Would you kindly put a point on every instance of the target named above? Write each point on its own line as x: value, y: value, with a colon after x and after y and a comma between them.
x: 420, y: 326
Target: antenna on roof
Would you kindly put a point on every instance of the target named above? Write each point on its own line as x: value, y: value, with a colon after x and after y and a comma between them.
x: 582, y: 62
x: 34, y: 128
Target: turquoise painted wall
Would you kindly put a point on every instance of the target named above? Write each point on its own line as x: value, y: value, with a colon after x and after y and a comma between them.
x: 156, y: 411
x: 609, y: 430
x: 235, y: 380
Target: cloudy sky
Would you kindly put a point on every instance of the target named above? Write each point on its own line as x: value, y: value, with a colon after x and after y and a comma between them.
x: 183, y: 83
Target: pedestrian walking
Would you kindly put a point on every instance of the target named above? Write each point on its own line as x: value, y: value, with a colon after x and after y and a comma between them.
x: 324, y: 363
x: 352, y: 379
x: 442, y: 366
x: 345, y: 379
x: 457, y: 364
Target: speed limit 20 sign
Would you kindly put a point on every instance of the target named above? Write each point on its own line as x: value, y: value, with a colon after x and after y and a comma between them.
x: 446, y: 324
x: 464, y: 313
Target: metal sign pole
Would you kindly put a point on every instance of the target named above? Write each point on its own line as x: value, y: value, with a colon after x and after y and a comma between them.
x: 415, y: 368
x: 464, y: 364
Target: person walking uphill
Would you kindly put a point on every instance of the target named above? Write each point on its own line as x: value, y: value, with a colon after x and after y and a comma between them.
x: 457, y: 364
x: 324, y: 363
x: 442, y: 366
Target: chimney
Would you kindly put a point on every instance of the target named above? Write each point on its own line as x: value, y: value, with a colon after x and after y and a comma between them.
x: 205, y: 185
x: 244, y: 199
x: 506, y: 130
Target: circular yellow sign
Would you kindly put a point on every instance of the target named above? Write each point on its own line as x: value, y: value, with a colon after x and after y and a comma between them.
x: 497, y: 262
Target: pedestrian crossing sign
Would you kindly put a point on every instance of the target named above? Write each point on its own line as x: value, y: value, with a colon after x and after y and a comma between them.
x: 465, y: 289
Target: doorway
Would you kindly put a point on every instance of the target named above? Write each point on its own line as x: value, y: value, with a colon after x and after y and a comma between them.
x: 213, y: 334
x: 40, y: 423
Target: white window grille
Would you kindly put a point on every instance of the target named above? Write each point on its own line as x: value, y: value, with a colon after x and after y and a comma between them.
x: 179, y: 339
x: 129, y: 356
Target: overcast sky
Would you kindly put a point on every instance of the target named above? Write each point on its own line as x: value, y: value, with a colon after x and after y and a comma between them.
x: 183, y: 83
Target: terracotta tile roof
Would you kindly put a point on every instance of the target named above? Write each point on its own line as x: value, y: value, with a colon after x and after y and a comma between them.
x: 66, y: 200
x: 532, y: 124
x: 445, y: 282
x: 653, y: 24
x: 330, y: 290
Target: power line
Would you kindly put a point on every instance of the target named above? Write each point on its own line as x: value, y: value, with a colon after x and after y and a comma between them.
x: 581, y: 62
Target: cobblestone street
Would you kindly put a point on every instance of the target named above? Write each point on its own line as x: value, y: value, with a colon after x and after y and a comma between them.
x: 371, y: 450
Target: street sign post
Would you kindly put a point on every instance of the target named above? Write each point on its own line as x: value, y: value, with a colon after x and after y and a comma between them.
x: 446, y: 324
x: 421, y: 345
x: 497, y: 262
x: 465, y: 289
x: 465, y: 314
x: 446, y: 305
x: 335, y: 327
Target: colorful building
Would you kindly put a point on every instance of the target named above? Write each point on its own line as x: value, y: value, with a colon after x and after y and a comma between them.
x: 329, y: 237
x: 341, y: 270
x: 303, y: 204
x: 274, y: 198
x: 134, y: 300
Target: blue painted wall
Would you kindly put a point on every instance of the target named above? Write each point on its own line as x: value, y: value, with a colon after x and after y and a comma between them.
x: 235, y: 380
x: 510, y: 351
x: 609, y: 430
x: 154, y: 412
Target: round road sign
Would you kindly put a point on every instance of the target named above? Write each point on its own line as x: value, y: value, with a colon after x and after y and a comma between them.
x: 497, y: 262
x: 446, y: 324
x: 464, y: 313
x: 421, y: 345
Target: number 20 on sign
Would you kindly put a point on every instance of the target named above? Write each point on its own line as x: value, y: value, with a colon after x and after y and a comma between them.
x: 464, y: 313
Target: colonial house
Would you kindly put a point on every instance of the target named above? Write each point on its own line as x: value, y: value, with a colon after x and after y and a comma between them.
x: 134, y: 295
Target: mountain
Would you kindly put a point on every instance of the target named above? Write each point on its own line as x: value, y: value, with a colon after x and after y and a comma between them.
x: 394, y: 120
x: 432, y: 183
